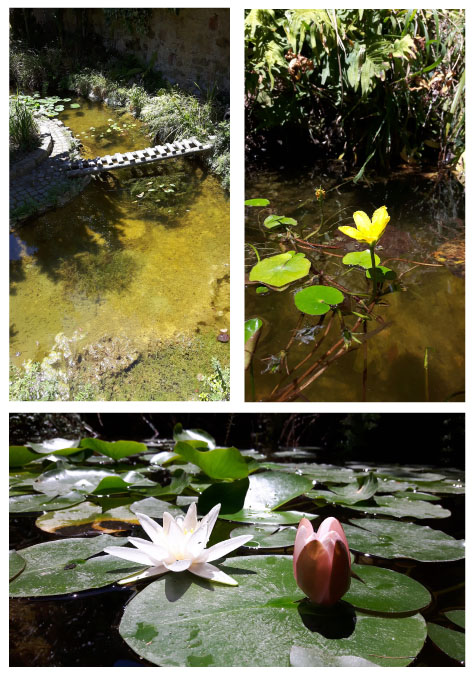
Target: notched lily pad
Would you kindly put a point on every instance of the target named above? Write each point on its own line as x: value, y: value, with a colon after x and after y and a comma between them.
x: 281, y: 269
x: 87, y: 518
x: 450, y: 641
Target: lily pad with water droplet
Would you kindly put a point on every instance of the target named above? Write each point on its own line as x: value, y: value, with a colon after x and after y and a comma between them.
x: 361, y: 258
x: 390, y: 505
x: 281, y: 269
x: 262, y: 619
x: 267, y: 537
x: 155, y: 508
x: 317, y: 300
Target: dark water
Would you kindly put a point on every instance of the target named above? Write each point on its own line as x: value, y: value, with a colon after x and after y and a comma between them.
x: 428, y: 311
x: 142, y: 255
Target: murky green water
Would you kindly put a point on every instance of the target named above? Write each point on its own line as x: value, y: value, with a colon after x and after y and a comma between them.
x: 141, y: 256
x: 427, y: 313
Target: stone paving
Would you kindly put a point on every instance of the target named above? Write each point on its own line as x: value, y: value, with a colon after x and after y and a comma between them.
x: 39, y: 181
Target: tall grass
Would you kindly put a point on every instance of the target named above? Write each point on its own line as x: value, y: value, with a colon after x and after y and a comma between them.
x: 22, y: 125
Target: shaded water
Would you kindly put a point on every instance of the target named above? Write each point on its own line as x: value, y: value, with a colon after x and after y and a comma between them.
x: 427, y: 312
x: 141, y: 255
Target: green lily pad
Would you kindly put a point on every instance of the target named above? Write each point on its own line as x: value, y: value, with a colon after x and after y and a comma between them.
x: 179, y: 482
x: 315, y: 657
x: 262, y: 290
x: 450, y: 641
x: 361, y: 258
x: 180, y: 434
x: 86, y: 518
x: 56, y: 446
x: 457, y: 617
x: 21, y: 455
x: 274, y: 221
x: 362, y: 489
x: 319, y: 473
x: 219, y: 463
x: 382, y: 274
x: 267, y: 517
x: 281, y: 269
x: 16, y: 564
x: 230, y: 495
x: 63, y: 481
x: 446, y: 487
x: 155, y: 508
x: 385, y: 591
x: 74, y: 105
x: 257, y: 202
x: 267, y: 537
x: 399, y: 507
x: 252, y: 332
x: 43, y: 503
x: 114, y: 449
x: 393, y: 539
x: 262, y: 611
x: 64, y: 566
x: 317, y: 300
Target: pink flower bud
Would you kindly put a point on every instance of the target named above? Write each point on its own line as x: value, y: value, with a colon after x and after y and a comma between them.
x: 322, y: 564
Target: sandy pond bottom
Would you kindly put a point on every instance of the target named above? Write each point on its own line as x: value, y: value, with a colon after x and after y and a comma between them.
x: 138, y: 258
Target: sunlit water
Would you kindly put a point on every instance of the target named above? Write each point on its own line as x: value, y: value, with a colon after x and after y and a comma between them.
x: 140, y: 256
x: 427, y: 313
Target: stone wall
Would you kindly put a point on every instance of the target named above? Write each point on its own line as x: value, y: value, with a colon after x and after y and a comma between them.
x: 192, y: 46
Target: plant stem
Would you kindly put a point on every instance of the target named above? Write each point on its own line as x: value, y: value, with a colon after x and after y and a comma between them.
x: 373, y: 271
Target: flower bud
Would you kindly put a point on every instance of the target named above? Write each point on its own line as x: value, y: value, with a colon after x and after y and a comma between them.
x: 322, y: 565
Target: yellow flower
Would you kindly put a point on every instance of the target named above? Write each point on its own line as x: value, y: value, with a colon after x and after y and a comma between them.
x: 367, y: 230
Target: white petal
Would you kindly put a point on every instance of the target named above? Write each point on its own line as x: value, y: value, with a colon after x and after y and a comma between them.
x: 149, y: 572
x: 152, y: 529
x: 190, y: 520
x: 155, y: 552
x: 210, y: 519
x: 179, y: 566
x: 212, y: 573
x: 197, y: 541
x: 130, y: 554
x: 223, y: 548
x: 167, y: 521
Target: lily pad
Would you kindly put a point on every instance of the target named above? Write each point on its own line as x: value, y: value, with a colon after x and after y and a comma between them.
x: 180, y: 434
x: 385, y: 591
x: 179, y: 482
x: 58, y: 446
x: 267, y: 537
x: 362, y: 489
x: 317, y: 300
x: 314, y: 657
x: 257, y: 202
x: 457, y: 617
x: 319, y: 473
x: 219, y: 463
x: 281, y: 269
x: 114, y: 449
x: 16, y: 564
x: 21, y: 455
x: 361, y: 258
x: 267, y: 517
x: 382, y: 274
x: 274, y: 221
x: 87, y: 518
x: 401, y: 507
x: 155, y: 508
x: 393, y: 539
x: 450, y: 641
x: 63, y: 481
x: 262, y: 611
x: 43, y: 503
x: 64, y: 566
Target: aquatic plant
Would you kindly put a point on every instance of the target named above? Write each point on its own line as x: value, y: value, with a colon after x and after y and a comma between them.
x: 322, y: 561
x: 23, y: 130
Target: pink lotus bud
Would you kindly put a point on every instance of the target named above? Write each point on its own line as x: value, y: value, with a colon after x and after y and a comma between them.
x: 322, y: 564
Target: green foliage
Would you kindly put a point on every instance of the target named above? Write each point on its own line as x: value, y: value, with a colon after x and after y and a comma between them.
x: 375, y: 85
x: 216, y: 387
x: 22, y: 126
x: 31, y: 384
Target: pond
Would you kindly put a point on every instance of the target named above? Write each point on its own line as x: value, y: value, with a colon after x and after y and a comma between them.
x: 133, y: 271
x: 419, y: 354
x: 404, y: 527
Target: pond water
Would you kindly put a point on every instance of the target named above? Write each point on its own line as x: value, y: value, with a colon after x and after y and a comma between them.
x: 140, y: 256
x: 81, y: 629
x: 427, y: 311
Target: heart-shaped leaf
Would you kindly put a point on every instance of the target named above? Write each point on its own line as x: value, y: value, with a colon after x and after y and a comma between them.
x: 361, y: 258
x: 281, y: 269
x: 273, y: 221
x: 317, y: 300
x: 114, y: 449
x: 180, y: 434
x: 220, y: 463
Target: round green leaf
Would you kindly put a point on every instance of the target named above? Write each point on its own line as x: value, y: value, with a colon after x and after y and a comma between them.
x: 64, y: 566
x: 385, y: 591
x: 400, y: 507
x: 273, y: 221
x: 315, y: 657
x: 180, y: 434
x: 63, y: 481
x: 21, y: 455
x: 257, y: 202
x: 361, y: 258
x: 155, y: 508
x: 86, y: 518
x: 281, y: 269
x: 393, y: 539
x: 319, y: 473
x: 317, y: 300
x: 450, y: 641
x: 114, y: 449
x: 179, y: 619
x: 75, y: 105
x: 16, y: 564
x: 262, y: 290
x: 43, y: 503
x: 267, y: 517
x: 56, y: 446
x: 266, y: 537
x: 456, y: 616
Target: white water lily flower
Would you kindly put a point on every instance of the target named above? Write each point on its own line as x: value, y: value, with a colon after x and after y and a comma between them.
x: 179, y: 544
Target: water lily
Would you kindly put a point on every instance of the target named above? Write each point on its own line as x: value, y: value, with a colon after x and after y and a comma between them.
x: 178, y: 545
x: 367, y: 230
x: 322, y: 564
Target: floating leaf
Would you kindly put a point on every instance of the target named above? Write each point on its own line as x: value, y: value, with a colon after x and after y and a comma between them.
x: 267, y: 537
x: 57, y: 446
x: 21, y: 455
x: 457, y: 617
x: 281, y: 269
x: 274, y: 221
x: 220, y: 463
x: 400, y: 507
x: 16, y: 564
x: 64, y: 566
x: 86, y: 519
x: 315, y: 657
x: 450, y: 641
x: 382, y: 274
x: 230, y: 495
x: 361, y: 258
x: 43, y: 503
x: 317, y: 300
x: 179, y: 482
x: 63, y: 481
x: 180, y: 434
x: 262, y: 611
x: 258, y: 202
x: 75, y: 105
x: 155, y: 508
x: 114, y: 449
x: 393, y: 539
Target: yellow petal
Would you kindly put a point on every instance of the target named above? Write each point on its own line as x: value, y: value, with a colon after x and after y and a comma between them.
x: 354, y: 233
x: 380, y: 220
x: 362, y: 222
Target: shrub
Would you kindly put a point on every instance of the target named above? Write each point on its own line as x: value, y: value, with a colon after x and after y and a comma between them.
x: 22, y: 125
